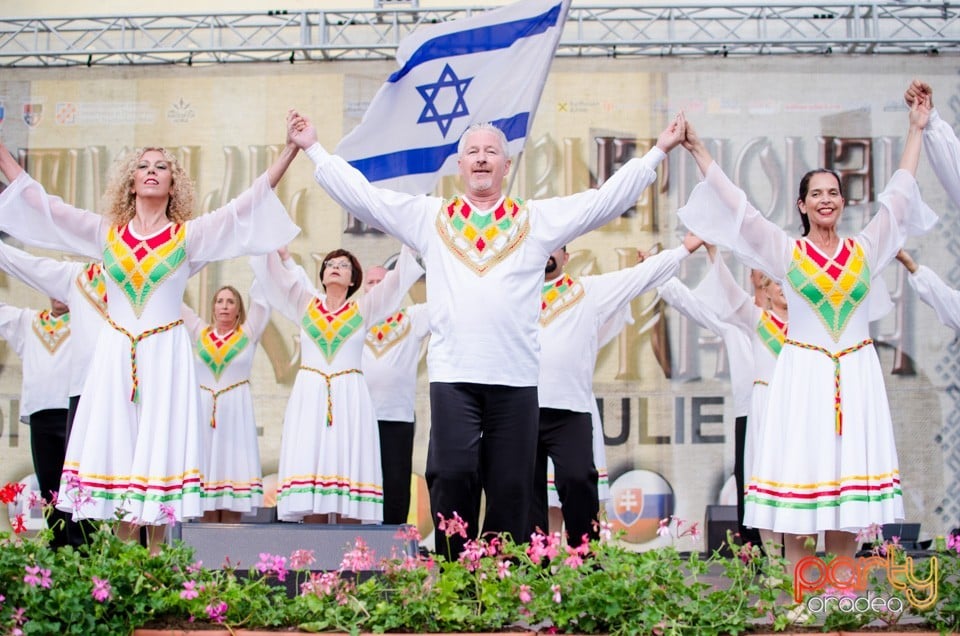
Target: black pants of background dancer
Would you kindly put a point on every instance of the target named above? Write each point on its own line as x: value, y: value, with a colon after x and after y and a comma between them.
x: 740, y: 443
x: 48, y: 445
x: 396, y: 459
x: 483, y: 438
x: 566, y: 437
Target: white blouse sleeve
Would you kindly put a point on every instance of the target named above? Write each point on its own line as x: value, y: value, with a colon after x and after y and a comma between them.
x: 719, y: 213
x: 51, y: 277
x: 282, y: 288
x: 31, y: 215
x: 253, y: 223
x: 194, y: 323
x: 614, y: 325
x: 258, y: 314
x: 902, y: 214
x: 14, y: 326
x: 385, y: 297
x: 611, y: 292
x: 943, y: 151
x: 936, y: 293
x: 681, y: 298
x: 419, y: 320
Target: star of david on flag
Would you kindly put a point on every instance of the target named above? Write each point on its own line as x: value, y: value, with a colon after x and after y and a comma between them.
x: 490, y: 67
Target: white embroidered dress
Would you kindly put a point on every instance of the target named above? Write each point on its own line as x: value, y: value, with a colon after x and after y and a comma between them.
x: 826, y: 457
x: 330, y: 448
x: 137, y: 441
x: 234, y: 479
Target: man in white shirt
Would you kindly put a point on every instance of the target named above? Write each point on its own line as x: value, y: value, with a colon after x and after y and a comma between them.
x: 42, y: 341
x: 572, y: 313
x: 484, y: 256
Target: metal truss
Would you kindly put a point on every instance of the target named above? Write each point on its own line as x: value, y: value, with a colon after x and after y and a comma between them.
x: 648, y: 29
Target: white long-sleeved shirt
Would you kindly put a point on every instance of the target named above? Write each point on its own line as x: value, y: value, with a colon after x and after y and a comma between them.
x: 80, y: 286
x: 943, y: 150
x: 572, y: 315
x: 936, y: 293
x: 390, y: 357
x: 484, y: 268
x: 44, y: 347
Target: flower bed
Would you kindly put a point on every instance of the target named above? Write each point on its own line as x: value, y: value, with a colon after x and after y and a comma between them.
x: 112, y: 587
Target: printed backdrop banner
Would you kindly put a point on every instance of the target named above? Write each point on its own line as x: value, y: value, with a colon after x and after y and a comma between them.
x: 663, y: 383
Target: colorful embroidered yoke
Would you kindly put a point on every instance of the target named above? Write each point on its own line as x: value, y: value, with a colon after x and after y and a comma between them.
x: 139, y: 266
x: 217, y: 352
x: 51, y: 331
x: 329, y: 330
x: 92, y: 286
x: 772, y: 331
x: 385, y: 335
x: 558, y: 296
x: 479, y: 240
x: 834, y: 287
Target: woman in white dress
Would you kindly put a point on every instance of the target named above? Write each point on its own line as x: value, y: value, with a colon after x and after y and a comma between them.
x: 330, y: 448
x: 136, y: 449
x: 224, y: 358
x: 826, y: 458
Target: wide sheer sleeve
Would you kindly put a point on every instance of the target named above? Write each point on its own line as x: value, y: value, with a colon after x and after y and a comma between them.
x: 933, y: 291
x: 13, y: 326
x: 730, y: 302
x: 194, y: 323
x: 253, y: 223
x: 39, y: 219
x: 902, y: 214
x: 719, y: 213
x: 51, y: 277
x: 283, y: 289
x: 258, y: 314
x: 386, y: 297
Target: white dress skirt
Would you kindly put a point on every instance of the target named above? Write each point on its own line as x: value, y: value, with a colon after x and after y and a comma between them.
x: 234, y: 478
x: 330, y: 446
x: 826, y: 458
x: 136, y: 450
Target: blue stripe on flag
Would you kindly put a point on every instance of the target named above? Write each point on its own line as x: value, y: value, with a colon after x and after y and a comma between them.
x: 422, y: 160
x: 488, y: 38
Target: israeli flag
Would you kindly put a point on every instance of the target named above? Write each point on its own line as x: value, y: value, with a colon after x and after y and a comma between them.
x: 487, y: 68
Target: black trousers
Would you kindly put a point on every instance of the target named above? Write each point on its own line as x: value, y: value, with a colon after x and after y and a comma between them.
x: 396, y: 459
x: 77, y: 532
x: 740, y: 443
x: 48, y: 446
x: 483, y: 438
x: 566, y: 437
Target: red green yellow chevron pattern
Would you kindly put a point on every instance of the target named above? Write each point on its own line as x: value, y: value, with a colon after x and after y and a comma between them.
x: 91, y: 284
x: 558, y: 296
x: 834, y: 287
x: 384, y: 336
x: 139, y: 266
x: 329, y: 330
x: 51, y: 331
x: 481, y: 241
x: 217, y: 352
x: 772, y: 331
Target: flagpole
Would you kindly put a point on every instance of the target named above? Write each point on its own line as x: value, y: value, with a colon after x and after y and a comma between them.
x: 561, y: 23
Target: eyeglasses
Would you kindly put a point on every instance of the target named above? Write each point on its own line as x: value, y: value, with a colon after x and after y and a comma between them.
x: 339, y: 265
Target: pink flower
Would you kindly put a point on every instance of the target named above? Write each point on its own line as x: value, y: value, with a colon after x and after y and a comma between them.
x: 37, y: 576
x: 556, y: 593
x: 407, y: 533
x: 189, y: 590
x: 302, y: 559
x: 35, y: 500
x: 193, y: 568
x: 663, y: 529
x: 270, y: 564
x: 473, y: 551
x: 217, y: 611
x: 503, y: 568
x: 320, y: 584
x: 101, y: 590
x: 606, y: 531
x: 573, y: 560
x: 360, y: 558
x: 873, y: 532
x: 452, y: 526
x: 525, y: 596
x: 168, y: 515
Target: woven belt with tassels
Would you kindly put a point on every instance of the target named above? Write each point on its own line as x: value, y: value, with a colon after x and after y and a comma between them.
x: 327, y: 377
x: 837, y: 407
x: 216, y: 394
x: 134, y: 341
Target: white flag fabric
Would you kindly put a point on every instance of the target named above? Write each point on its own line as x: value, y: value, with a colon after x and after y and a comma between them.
x: 487, y: 68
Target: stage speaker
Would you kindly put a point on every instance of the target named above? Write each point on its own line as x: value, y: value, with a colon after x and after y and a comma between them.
x: 718, y: 520
x: 242, y: 543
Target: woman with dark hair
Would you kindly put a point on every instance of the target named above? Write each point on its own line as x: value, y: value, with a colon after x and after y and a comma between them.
x: 224, y: 351
x: 826, y: 458
x: 330, y: 448
x: 136, y: 450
